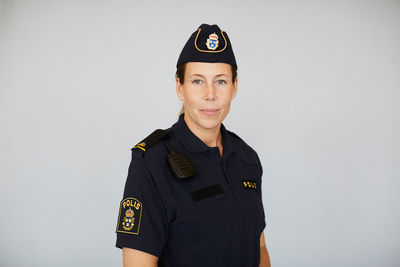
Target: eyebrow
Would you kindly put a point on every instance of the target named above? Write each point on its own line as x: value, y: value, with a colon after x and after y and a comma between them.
x: 196, y: 74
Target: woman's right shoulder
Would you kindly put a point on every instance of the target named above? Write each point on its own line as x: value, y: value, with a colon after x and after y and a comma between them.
x: 151, y: 153
x: 150, y: 146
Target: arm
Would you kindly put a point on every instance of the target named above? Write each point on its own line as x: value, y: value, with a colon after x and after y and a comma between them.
x: 264, y: 257
x: 143, y: 237
x: 137, y: 258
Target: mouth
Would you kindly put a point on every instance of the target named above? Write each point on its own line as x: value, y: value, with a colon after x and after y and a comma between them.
x: 209, y: 111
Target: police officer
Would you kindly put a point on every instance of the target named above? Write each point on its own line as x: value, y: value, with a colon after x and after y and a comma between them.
x: 193, y: 192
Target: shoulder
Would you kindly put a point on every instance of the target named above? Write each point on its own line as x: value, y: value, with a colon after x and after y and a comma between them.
x: 149, y: 159
x: 245, y: 151
x: 151, y: 146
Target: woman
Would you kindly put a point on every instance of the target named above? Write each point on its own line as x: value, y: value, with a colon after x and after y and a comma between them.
x: 193, y: 192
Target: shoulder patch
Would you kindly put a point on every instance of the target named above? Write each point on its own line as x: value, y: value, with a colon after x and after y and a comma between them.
x: 150, y: 140
x: 129, y: 217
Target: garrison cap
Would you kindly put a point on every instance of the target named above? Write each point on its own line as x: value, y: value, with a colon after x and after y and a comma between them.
x: 208, y: 44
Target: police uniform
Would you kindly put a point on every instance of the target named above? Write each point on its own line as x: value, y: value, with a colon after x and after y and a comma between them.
x: 212, y: 218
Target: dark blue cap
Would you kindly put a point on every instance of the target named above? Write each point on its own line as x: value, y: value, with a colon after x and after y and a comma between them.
x: 208, y: 44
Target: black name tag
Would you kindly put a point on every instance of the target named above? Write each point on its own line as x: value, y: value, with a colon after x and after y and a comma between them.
x: 206, y: 193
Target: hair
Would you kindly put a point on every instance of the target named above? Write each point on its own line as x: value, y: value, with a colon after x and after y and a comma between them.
x: 180, y: 73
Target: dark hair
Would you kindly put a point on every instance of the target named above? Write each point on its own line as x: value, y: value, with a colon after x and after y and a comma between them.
x: 180, y: 73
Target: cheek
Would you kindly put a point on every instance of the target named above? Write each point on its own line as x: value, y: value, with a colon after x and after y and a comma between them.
x: 227, y: 97
x: 191, y: 98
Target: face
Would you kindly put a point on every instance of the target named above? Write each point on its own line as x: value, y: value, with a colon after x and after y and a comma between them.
x: 207, y: 93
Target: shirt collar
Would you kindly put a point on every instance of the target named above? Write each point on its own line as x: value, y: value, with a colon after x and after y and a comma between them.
x: 192, y: 143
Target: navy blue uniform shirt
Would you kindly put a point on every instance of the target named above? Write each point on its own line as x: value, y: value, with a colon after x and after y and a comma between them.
x: 212, y: 219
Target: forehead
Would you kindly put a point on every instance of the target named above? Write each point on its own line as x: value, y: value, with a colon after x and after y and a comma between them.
x: 206, y: 68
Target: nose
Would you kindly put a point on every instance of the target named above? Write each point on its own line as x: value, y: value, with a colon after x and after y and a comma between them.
x: 210, y: 93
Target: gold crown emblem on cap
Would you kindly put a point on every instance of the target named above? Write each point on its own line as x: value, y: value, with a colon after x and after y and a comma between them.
x: 213, y: 36
x: 212, y: 41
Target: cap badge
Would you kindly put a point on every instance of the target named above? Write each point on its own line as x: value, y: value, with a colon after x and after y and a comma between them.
x: 212, y: 41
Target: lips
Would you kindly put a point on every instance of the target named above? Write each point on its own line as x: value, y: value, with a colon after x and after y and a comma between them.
x: 209, y: 111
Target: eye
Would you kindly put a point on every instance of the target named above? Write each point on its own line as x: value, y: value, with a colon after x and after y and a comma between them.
x: 197, y: 81
x: 221, y: 82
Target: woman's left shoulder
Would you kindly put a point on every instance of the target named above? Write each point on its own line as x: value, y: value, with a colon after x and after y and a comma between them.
x: 245, y: 150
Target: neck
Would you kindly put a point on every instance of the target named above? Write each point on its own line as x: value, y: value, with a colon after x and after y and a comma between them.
x: 211, y: 137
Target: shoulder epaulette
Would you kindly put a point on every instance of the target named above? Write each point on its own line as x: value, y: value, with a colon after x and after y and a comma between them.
x: 151, y: 140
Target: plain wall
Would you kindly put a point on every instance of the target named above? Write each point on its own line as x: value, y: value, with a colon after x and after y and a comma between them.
x: 83, y: 81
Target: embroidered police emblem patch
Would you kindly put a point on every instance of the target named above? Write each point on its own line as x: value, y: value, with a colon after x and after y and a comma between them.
x: 129, y: 220
x: 130, y: 214
x: 249, y: 184
x: 212, y: 41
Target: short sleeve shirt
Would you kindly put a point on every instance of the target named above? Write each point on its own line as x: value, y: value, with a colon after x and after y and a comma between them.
x: 214, y: 218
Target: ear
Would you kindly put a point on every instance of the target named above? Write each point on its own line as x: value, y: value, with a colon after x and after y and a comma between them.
x: 179, y: 89
x: 235, y: 84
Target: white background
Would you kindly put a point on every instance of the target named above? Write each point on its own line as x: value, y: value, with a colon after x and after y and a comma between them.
x: 83, y: 81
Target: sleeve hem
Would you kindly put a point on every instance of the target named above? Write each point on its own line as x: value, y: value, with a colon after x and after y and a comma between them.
x: 138, y: 245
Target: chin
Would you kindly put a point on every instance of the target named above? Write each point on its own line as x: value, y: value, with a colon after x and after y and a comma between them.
x: 206, y: 122
x: 209, y: 123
